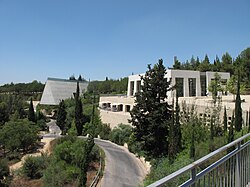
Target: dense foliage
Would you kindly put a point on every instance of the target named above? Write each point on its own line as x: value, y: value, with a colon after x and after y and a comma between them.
x: 4, y: 172
x: 120, y: 134
x: 78, y: 112
x: 109, y: 86
x: 151, y: 114
x: 69, y: 162
x: 18, y: 135
x: 34, y: 86
x: 225, y: 64
x: 61, y: 117
x: 34, y: 166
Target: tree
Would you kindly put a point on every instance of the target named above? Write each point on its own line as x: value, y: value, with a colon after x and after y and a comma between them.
x: 215, y: 86
x: 78, y: 111
x: 205, y: 65
x: 238, y: 109
x: 178, y: 134
x: 80, y: 78
x: 4, y: 115
x: 61, y: 117
x: 31, y: 114
x: 120, y: 134
x: 34, y: 166
x: 17, y: 135
x: 177, y: 64
x: 232, y: 86
x: 72, y: 77
x: 151, y: 114
x: 70, y: 161
x: 225, y: 120
x: 227, y: 63
x: 172, y: 144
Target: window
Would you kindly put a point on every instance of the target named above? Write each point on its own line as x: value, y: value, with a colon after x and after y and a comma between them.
x: 131, y: 88
x: 179, y: 86
x: 192, y: 86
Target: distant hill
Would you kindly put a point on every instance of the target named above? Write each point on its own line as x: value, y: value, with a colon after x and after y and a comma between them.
x: 32, y: 87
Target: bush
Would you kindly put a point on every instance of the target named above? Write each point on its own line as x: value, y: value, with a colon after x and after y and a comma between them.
x: 4, y: 172
x: 69, y: 162
x: 33, y: 167
x: 161, y: 167
x: 120, y: 134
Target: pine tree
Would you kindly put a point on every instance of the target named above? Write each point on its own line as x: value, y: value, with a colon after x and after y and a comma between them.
x: 225, y: 120
x: 151, y: 114
x: 238, y: 109
x: 61, y: 117
x: 78, y: 112
x: 31, y: 114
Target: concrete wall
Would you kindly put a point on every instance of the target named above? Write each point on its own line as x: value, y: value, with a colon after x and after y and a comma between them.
x: 172, y: 74
x: 114, y: 118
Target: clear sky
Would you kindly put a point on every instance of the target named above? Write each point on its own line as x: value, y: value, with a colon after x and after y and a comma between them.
x: 113, y: 38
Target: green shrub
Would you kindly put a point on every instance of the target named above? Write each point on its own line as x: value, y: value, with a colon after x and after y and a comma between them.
x: 121, y: 134
x: 33, y: 167
x: 161, y: 167
x: 4, y: 172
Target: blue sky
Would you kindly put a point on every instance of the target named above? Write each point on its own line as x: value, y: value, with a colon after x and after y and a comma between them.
x: 99, y: 38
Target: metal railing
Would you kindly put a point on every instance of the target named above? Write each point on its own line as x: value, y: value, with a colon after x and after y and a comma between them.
x: 231, y: 170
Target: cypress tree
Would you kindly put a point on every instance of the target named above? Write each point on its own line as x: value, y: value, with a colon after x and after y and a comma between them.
x: 61, y: 117
x: 238, y: 109
x: 172, y: 135
x: 178, y: 126
x: 78, y: 112
x: 31, y: 114
x: 225, y: 120
x: 151, y: 115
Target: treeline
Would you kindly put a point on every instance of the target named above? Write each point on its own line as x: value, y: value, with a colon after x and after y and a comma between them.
x: 109, y: 86
x: 31, y: 87
x: 225, y: 64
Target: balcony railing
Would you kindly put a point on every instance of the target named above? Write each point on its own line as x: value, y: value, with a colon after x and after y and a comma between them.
x: 232, y: 170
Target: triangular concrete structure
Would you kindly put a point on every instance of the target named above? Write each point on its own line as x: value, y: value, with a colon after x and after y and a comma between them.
x: 58, y: 89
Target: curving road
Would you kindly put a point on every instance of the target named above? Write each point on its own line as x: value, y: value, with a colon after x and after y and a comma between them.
x: 122, y: 168
x: 54, y: 130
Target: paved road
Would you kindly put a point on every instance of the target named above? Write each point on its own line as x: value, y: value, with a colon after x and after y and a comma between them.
x: 54, y: 130
x: 121, y: 167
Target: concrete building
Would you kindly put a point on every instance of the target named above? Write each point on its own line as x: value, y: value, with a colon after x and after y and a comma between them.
x: 192, y: 85
x: 56, y: 90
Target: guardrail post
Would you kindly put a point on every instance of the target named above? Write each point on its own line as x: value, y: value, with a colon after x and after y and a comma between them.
x: 193, y: 175
x: 237, y: 167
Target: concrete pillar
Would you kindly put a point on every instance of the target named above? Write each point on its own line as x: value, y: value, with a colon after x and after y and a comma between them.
x: 135, y: 87
x: 186, y: 87
x: 128, y: 90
